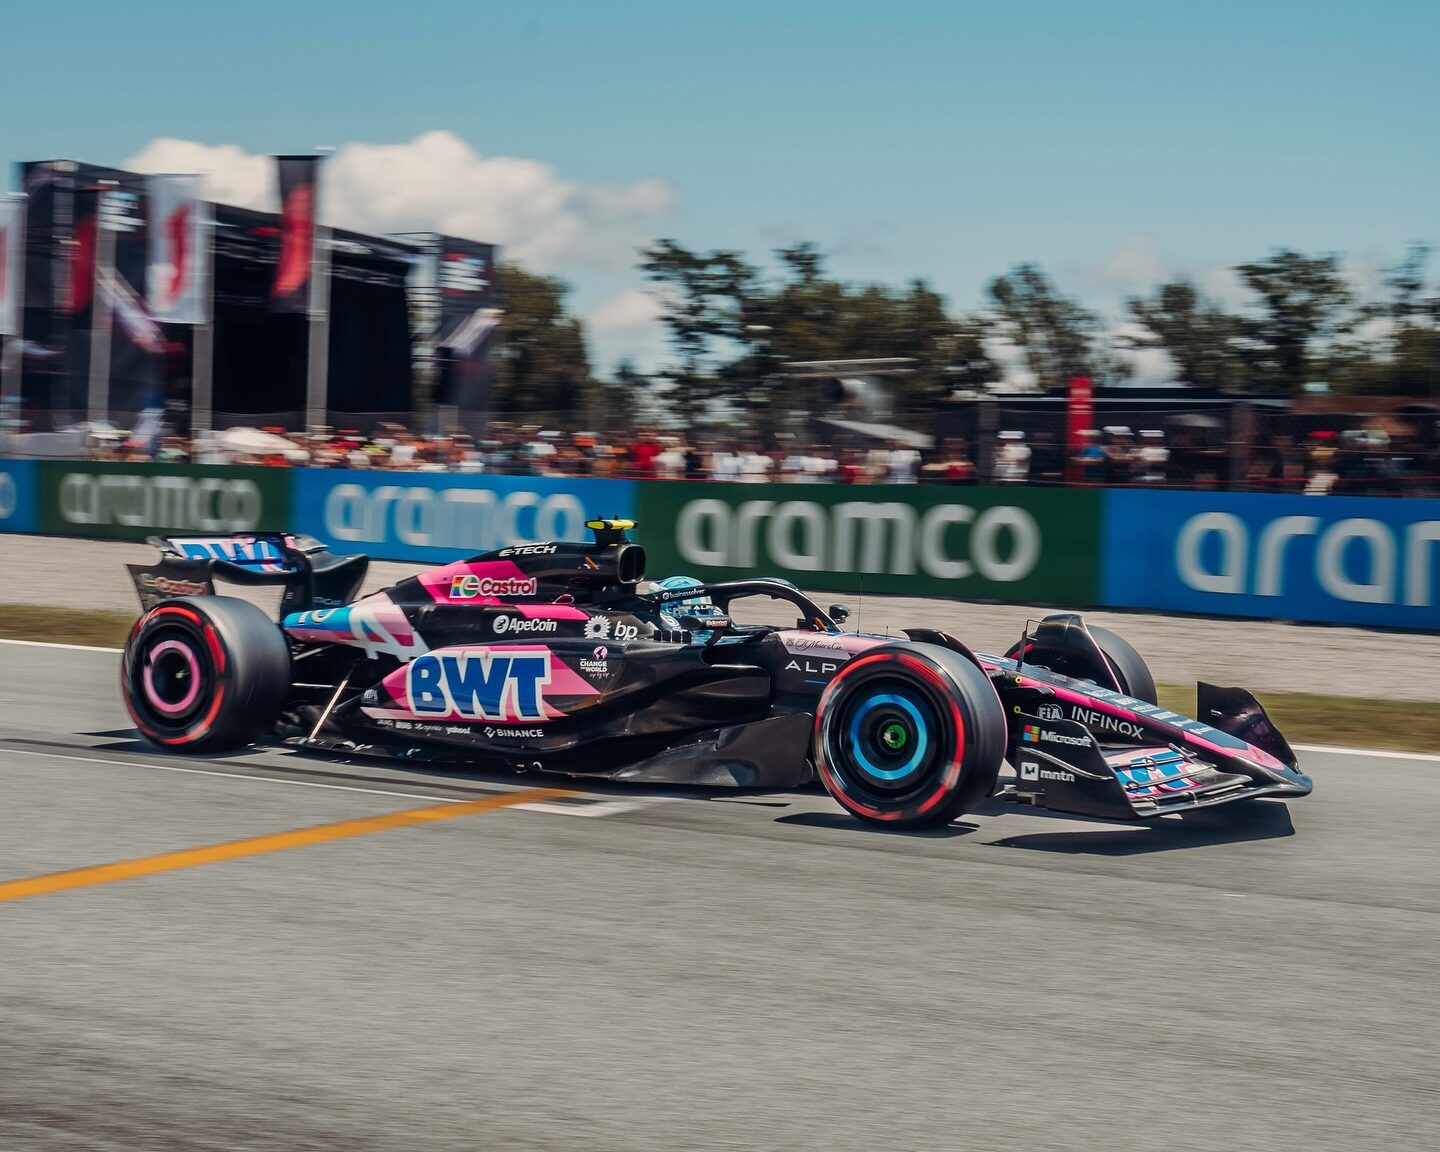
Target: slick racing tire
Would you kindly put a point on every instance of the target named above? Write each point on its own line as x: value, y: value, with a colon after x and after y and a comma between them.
x: 1079, y: 662
x: 205, y: 673
x: 909, y: 737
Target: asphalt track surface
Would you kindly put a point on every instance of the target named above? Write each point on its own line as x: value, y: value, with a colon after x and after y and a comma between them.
x: 698, y: 970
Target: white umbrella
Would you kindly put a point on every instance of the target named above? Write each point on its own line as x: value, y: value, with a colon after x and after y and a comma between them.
x: 254, y: 442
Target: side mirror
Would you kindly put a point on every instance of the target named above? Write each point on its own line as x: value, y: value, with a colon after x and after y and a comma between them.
x: 717, y: 626
x: 839, y: 613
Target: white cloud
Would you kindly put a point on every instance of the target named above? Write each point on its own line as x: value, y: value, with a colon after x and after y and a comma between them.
x: 1151, y: 365
x: 437, y: 182
x: 1134, y: 267
x: 630, y: 311
x: 626, y: 326
x: 1220, y: 282
x: 232, y: 175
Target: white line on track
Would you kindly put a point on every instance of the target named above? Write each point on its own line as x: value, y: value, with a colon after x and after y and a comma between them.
x: 47, y: 644
x: 1331, y: 749
x: 1377, y: 753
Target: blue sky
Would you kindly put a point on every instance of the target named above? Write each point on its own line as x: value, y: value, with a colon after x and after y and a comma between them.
x: 1113, y: 142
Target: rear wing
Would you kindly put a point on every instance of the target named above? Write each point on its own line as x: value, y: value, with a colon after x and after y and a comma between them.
x: 189, y: 566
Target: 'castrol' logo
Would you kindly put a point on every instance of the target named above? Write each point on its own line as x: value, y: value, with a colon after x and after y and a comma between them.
x: 469, y: 586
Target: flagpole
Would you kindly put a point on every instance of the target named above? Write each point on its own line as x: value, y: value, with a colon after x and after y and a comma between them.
x: 10, y: 363
x: 100, y: 314
x: 202, y: 349
x: 317, y: 376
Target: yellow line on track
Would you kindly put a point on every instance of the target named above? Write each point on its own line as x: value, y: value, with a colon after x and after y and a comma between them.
x: 257, y: 845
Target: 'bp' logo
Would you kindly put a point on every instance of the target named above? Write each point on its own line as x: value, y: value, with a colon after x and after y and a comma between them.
x: 479, y: 684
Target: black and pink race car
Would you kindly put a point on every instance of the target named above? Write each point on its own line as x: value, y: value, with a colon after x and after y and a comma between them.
x: 562, y: 657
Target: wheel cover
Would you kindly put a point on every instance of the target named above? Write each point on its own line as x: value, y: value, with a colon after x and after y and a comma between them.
x: 889, y: 734
x: 891, y: 743
x: 172, y: 677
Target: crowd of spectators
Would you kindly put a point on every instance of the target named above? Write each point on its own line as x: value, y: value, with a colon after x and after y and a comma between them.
x: 1357, y: 461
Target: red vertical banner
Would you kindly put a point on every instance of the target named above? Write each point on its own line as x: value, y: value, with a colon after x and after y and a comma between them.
x: 291, y: 290
x: 85, y: 235
x: 1079, y: 415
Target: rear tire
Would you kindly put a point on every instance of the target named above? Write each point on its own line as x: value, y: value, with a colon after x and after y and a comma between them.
x: 205, y: 673
x: 909, y: 737
x: 1128, y: 665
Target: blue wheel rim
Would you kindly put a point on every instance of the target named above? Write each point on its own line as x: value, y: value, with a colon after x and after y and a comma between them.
x: 881, y: 728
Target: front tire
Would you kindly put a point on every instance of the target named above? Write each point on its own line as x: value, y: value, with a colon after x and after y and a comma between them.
x: 205, y: 673
x: 1062, y: 653
x: 909, y: 737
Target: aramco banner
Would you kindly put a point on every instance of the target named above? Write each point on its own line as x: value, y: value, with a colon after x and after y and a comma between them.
x: 438, y: 518
x: 133, y: 501
x: 1027, y: 545
x: 1340, y: 559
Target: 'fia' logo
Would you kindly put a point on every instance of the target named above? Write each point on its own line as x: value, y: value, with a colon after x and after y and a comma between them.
x: 479, y: 684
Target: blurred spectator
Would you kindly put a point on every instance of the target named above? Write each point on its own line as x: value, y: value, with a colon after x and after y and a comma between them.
x: 852, y: 467
x: 1152, y: 457
x: 1119, y: 455
x: 694, y: 461
x: 1381, y: 454
x: 643, y: 453
x: 1089, y: 458
x: 1323, y: 464
x: 1012, y: 458
x: 670, y: 461
x: 1047, y: 459
x: 951, y: 465
x: 903, y: 464
x: 755, y: 466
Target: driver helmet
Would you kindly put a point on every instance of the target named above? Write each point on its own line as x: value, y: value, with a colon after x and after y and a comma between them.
x: 690, y: 606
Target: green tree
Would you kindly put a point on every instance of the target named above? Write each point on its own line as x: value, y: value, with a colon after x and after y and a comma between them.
x: 1199, y: 336
x: 704, y: 301
x: 1304, y: 312
x: 812, y: 316
x: 1403, y: 358
x: 732, y: 329
x: 1059, y: 338
x: 542, y: 364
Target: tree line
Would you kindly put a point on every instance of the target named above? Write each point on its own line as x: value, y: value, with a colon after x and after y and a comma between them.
x: 731, y: 327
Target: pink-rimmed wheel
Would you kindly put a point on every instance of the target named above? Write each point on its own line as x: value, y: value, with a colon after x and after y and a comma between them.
x: 205, y: 673
x: 909, y: 736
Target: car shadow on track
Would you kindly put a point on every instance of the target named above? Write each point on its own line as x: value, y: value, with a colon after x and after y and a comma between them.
x: 358, y: 768
x: 847, y: 823
x: 1228, y: 824
x: 1204, y: 827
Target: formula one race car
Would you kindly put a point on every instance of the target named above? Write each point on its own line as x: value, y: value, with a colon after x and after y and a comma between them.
x: 561, y: 657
